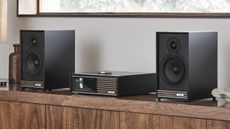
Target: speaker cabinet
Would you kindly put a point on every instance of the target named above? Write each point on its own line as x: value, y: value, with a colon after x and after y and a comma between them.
x: 47, y: 58
x: 186, y: 65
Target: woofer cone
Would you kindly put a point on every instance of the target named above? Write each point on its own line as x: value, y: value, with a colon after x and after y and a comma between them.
x: 173, y: 70
x: 32, y: 64
x: 173, y: 44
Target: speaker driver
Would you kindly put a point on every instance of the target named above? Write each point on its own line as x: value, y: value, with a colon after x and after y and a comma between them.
x: 173, y: 70
x: 173, y: 44
x: 33, y: 64
x: 33, y: 41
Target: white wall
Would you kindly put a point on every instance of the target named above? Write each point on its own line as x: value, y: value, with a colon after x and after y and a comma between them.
x: 126, y: 44
x: 12, y: 37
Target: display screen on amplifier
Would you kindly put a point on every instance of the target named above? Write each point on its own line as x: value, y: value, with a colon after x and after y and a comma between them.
x: 85, y: 84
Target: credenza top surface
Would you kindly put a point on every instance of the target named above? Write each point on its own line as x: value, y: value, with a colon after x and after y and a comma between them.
x: 203, y: 109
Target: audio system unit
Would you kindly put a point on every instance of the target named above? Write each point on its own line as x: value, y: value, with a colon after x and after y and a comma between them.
x: 186, y: 65
x: 113, y: 83
x: 47, y: 58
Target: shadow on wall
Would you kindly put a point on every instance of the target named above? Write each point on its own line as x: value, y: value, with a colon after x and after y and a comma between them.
x: 90, y: 52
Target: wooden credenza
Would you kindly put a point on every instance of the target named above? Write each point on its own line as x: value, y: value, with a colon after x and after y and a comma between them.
x: 29, y: 110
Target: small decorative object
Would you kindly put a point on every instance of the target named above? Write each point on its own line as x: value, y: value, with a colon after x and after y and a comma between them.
x: 3, y: 83
x: 14, y: 65
x: 223, y: 94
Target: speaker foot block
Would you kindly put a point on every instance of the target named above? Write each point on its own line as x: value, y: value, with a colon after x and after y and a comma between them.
x: 158, y: 100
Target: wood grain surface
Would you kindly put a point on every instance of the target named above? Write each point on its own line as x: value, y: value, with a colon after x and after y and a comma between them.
x: 4, y: 115
x: 188, y: 123
x: 134, y: 121
x: 134, y: 104
x: 213, y: 124
x: 27, y: 116
x: 61, y: 117
x: 161, y: 122
x: 98, y: 119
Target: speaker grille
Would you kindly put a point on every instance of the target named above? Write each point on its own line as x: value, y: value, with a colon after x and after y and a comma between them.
x: 172, y: 94
x: 107, y: 85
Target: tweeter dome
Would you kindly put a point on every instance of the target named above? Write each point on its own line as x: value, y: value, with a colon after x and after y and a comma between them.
x: 47, y: 58
x: 186, y: 65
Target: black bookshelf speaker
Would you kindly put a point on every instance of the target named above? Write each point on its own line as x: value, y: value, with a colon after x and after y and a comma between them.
x: 47, y: 58
x: 186, y: 65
